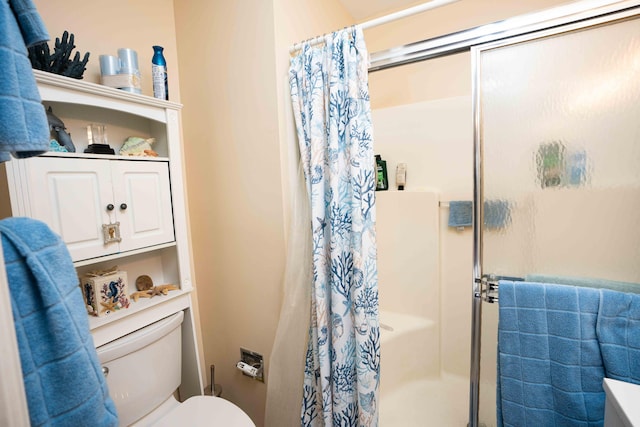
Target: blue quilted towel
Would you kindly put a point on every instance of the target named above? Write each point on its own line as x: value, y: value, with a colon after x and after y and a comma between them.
x: 62, y: 376
x: 550, y: 369
x: 460, y: 213
x: 586, y: 282
x: 618, y: 333
x: 25, y: 130
x: 496, y: 214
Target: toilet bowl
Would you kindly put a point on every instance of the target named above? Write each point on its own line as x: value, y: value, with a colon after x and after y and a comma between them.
x: 201, y: 411
x: 143, y: 372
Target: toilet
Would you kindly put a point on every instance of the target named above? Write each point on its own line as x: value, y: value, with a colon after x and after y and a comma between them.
x: 143, y: 371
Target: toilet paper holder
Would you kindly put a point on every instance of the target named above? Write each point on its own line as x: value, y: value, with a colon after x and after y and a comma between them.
x: 251, y: 364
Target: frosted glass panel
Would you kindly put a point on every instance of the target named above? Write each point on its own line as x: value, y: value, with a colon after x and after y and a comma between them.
x: 561, y: 149
x: 561, y: 156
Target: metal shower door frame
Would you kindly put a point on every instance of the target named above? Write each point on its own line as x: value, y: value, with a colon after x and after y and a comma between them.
x: 463, y: 41
x: 479, y: 291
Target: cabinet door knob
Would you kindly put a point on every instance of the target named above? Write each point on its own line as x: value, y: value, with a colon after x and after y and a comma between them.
x: 110, y: 207
x: 123, y: 206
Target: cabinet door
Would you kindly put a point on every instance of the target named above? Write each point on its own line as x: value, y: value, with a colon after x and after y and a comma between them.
x: 71, y: 196
x: 142, y: 197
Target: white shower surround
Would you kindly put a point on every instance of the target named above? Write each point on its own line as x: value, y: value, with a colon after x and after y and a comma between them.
x: 424, y: 266
x: 413, y: 373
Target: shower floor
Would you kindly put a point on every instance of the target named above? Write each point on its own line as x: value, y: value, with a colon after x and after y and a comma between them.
x: 439, y: 402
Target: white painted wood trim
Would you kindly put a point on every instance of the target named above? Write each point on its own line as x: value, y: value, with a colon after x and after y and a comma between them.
x: 178, y: 198
x: 54, y: 88
x: 143, y: 313
x: 192, y: 370
x: 81, y: 86
x: 13, y: 401
x: 119, y: 255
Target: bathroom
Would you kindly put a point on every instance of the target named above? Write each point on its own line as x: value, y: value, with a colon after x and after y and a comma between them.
x: 228, y: 66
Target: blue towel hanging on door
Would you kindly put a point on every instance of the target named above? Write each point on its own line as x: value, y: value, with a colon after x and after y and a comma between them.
x: 550, y: 368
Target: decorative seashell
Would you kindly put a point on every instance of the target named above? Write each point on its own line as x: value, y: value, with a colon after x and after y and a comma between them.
x: 144, y: 283
x: 136, y: 146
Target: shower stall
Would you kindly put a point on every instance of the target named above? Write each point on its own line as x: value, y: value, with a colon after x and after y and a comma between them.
x: 559, y: 141
x: 552, y: 134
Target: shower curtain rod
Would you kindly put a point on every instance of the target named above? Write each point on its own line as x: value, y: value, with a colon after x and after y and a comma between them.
x: 382, y: 20
x: 462, y: 41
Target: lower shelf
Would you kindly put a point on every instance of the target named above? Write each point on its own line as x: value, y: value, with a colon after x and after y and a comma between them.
x: 138, y: 315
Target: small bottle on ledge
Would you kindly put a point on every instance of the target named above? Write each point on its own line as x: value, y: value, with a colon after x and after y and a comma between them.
x: 159, y: 74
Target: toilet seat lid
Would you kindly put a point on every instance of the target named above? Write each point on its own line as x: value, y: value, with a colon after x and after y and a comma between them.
x: 208, y: 411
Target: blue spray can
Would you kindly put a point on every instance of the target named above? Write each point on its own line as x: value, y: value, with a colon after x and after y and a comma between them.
x: 159, y: 74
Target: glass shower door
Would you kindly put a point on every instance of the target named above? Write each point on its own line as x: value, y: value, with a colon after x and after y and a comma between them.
x: 558, y: 133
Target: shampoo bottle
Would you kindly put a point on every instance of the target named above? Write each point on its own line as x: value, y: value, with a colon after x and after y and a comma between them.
x: 401, y: 176
x: 159, y: 73
x: 382, y: 181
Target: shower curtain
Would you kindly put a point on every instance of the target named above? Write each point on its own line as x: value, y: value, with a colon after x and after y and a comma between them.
x: 329, y: 93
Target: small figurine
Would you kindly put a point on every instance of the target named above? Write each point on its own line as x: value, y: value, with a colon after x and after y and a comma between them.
x: 156, y: 290
x: 140, y: 294
x: 59, y: 131
x: 108, y: 306
x: 163, y: 289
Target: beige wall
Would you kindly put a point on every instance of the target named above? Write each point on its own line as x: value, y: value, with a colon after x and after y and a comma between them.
x: 234, y: 62
x: 231, y: 146
x: 101, y: 28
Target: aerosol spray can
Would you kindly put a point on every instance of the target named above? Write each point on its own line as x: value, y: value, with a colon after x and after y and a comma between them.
x: 159, y: 74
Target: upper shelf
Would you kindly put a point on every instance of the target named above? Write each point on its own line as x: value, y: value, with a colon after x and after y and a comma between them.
x: 56, y: 88
x: 78, y: 104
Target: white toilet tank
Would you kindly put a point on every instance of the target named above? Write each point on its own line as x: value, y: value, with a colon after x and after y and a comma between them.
x: 144, y: 367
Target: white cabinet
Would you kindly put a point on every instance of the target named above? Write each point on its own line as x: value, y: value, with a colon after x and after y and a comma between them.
x: 77, y: 193
x: 101, y: 207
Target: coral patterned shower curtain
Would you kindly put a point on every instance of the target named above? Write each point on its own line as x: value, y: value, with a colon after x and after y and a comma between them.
x: 330, y: 97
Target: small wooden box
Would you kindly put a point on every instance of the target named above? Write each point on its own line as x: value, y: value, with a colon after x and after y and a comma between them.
x: 106, y: 294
